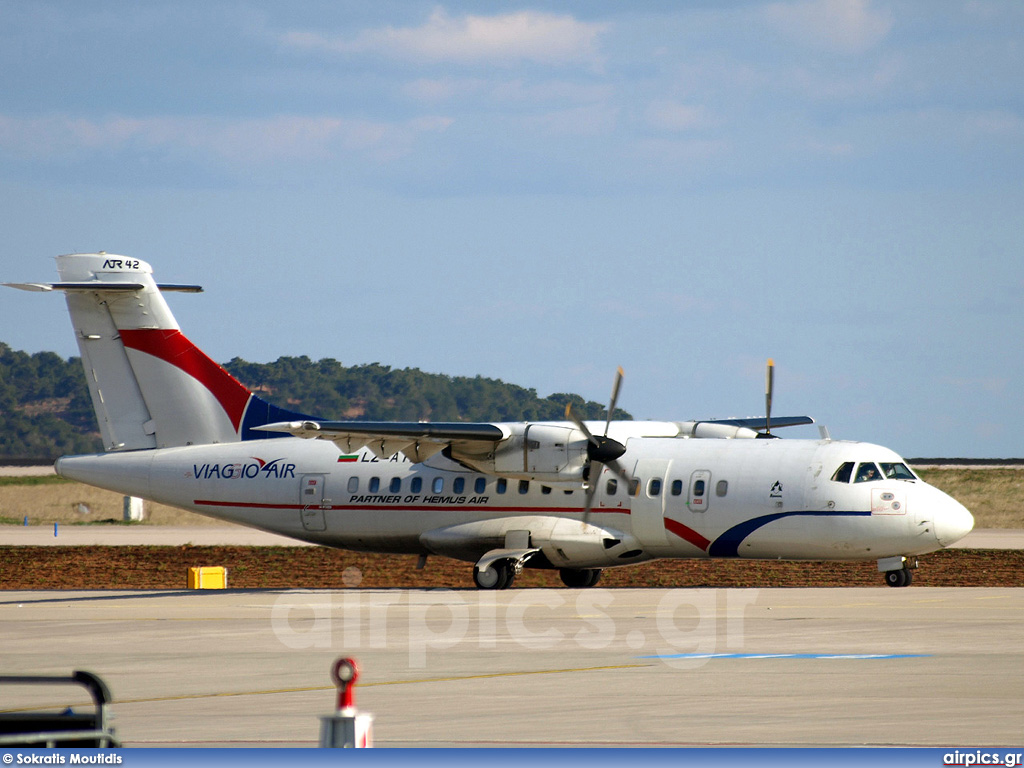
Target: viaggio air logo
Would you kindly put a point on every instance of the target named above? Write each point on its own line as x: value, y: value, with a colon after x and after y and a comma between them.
x: 244, y: 471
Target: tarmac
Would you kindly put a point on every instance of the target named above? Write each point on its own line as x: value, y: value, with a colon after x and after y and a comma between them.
x: 593, y: 667
x: 534, y: 667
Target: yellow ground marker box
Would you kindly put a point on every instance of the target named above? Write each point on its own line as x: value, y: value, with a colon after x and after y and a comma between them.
x: 208, y: 577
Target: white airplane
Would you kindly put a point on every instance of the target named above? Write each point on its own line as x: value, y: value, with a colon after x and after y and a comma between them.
x: 571, y: 495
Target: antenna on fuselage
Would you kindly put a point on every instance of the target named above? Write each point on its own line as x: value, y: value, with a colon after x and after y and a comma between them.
x: 769, y: 385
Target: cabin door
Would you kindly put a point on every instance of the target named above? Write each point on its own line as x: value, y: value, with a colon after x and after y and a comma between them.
x: 311, y: 497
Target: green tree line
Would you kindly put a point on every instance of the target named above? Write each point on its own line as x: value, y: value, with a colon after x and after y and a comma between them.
x: 45, y: 409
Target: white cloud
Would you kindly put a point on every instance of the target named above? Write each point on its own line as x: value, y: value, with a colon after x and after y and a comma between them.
x: 504, y: 39
x: 283, y: 137
x: 842, y: 26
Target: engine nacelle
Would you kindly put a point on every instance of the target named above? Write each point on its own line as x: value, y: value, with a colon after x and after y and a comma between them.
x: 704, y: 429
x: 545, y: 452
x: 565, y: 542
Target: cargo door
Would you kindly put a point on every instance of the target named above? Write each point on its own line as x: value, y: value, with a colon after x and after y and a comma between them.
x: 647, y: 507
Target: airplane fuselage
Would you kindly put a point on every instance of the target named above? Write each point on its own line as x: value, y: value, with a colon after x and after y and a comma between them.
x: 692, y: 499
x: 576, y: 496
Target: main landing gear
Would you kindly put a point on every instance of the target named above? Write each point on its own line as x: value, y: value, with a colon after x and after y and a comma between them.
x: 501, y: 573
x: 898, y: 570
x: 584, y: 577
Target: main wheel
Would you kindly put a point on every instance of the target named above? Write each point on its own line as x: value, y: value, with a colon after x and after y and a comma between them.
x: 900, y: 578
x: 489, y: 579
x: 580, y: 577
x: 499, y: 576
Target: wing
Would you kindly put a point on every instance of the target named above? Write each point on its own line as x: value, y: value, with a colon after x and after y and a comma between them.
x: 417, y: 440
x: 758, y: 422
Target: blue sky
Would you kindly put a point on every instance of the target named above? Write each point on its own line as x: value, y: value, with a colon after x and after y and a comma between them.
x: 541, y: 193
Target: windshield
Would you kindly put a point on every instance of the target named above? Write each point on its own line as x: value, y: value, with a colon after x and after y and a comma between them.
x: 867, y: 472
x: 897, y: 471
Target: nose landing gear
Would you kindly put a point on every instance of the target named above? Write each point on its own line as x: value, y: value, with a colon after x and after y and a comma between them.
x: 899, y: 571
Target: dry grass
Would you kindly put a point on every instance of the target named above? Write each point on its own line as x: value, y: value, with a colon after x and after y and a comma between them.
x: 66, y: 502
x: 995, y: 496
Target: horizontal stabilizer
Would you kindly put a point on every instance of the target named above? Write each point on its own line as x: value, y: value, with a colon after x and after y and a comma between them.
x: 97, y: 285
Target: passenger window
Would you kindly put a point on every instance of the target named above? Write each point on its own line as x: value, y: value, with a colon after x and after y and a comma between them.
x: 545, y: 489
x: 677, y: 487
x: 722, y: 488
x: 438, y: 485
x: 612, y: 486
x: 396, y: 485
x: 480, y: 484
x: 867, y: 472
x: 501, y: 485
x: 458, y: 485
x: 654, y: 487
x: 842, y: 475
x: 897, y: 471
x: 374, y: 484
x: 353, y: 484
x: 698, y: 488
x: 524, y: 486
x: 634, y: 487
x: 416, y: 485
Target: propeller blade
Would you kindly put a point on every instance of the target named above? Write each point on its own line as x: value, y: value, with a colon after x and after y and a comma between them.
x: 588, y: 504
x: 571, y: 415
x: 615, y: 397
x: 602, y: 451
x: 769, y: 386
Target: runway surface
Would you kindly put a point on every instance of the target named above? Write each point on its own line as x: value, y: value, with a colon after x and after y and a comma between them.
x: 917, y: 666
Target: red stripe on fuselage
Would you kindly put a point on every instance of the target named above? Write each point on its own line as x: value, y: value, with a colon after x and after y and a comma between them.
x: 174, y: 348
x: 402, y: 507
x: 687, y: 534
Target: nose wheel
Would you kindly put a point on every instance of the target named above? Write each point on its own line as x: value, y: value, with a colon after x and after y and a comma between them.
x: 898, y: 570
x: 899, y: 578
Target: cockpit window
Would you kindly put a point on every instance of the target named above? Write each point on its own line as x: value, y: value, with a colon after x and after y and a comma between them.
x: 897, y: 471
x: 842, y: 475
x: 867, y: 472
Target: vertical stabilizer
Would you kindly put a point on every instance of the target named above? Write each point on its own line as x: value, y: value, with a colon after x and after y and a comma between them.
x: 151, y: 387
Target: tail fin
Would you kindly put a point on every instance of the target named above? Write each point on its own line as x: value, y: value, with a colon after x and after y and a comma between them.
x: 151, y: 387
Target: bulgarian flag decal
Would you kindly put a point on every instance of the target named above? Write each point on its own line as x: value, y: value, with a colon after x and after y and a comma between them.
x: 346, y: 458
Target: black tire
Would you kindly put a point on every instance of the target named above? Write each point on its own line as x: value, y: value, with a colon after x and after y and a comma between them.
x: 897, y: 578
x: 489, y: 579
x: 579, y: 578
x: 508, y: 574
x: 499, y: 576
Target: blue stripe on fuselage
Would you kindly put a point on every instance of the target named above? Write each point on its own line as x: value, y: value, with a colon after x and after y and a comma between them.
x: 728, y: 544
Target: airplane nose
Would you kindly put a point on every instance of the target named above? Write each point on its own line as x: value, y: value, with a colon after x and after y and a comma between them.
x: 952, y: 522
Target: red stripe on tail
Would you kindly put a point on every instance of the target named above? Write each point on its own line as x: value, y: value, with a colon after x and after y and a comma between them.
x: 173, y: 347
